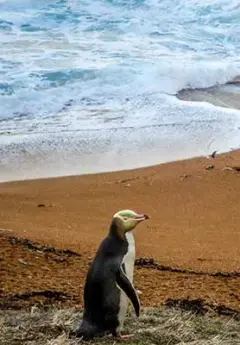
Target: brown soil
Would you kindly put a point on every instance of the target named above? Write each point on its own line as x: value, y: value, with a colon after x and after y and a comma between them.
x: 193, y: 230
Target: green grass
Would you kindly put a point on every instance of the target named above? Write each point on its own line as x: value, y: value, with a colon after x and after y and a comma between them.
x: 155, y: 326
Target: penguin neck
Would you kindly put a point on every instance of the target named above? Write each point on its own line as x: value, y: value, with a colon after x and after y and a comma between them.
x: 117, y: 230
x: 130, y: 237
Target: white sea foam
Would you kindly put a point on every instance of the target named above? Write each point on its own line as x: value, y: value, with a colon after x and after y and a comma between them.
x: 95, y: 82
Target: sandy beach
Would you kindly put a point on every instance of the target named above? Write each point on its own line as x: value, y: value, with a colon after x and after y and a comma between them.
x: 193, y: 233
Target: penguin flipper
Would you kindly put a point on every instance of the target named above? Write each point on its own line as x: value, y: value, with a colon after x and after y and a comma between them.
x: 125, y: 284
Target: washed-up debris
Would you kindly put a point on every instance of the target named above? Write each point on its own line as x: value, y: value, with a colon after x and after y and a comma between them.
x: 11, y: 301
x: 235, y: 168
x: 151, y: 263
x: 46, y: 249
x: 198, y: 306
x: 128, y: 180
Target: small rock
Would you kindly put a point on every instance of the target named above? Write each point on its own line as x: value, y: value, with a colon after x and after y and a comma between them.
x: 210, y: 167
x: 41, y: 205
x: 34, y: 309
x: 127, y: 185
x: 185, y: 176
x: 228, y: 168
x: 23, y: 262
x: 201, y: 259
x: 60, y: 260
x: 46, y: 268
x: 3, y: 230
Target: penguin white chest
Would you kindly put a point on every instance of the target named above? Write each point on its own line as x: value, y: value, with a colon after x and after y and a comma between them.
x: 128, y: 260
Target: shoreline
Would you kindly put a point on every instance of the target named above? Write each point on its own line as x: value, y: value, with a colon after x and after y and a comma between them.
x: 108, y: 171
x: 194, y: 208
x: 125, y: 170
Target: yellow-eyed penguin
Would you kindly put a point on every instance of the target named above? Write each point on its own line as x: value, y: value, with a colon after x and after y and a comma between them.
x: 109, y: 279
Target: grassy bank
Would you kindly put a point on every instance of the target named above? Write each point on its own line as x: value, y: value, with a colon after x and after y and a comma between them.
x: 155, y: 326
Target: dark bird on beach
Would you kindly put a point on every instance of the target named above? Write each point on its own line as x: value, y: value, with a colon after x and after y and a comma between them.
x: 213, y: 155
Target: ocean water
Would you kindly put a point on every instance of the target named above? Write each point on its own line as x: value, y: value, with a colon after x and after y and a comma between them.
x: 89, y: 86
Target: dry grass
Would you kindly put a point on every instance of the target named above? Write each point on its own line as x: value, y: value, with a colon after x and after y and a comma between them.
x: 155, y: 326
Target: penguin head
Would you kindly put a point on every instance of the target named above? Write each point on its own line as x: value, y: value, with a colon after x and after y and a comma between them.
x: 127, y: 220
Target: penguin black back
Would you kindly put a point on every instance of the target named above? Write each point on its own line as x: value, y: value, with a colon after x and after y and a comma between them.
x: 101, y: 294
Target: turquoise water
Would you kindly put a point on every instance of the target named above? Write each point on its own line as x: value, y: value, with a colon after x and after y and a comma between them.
x: 90, y: 85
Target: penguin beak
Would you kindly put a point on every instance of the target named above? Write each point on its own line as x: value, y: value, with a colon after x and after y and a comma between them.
x: 141, y: 217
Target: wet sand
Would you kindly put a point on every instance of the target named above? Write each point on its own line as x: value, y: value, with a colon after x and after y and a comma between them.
x: 227, y: 96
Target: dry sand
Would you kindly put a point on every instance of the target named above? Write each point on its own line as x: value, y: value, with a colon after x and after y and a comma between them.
x: 194, y: 225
